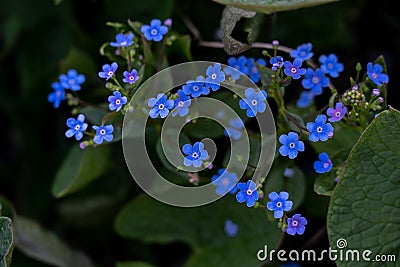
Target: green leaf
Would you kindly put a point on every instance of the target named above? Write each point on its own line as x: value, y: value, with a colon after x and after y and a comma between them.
x: 133, y: 264
x: 45, y: 246
x: 79, y: 169
x: 294, y: 121
x: 93, y: 115
x: 181, y: 48
x: 6, y: 241
x: 140, y: 219
x: 272, y: 6
x: 80, y: 61
x: 365, y: 207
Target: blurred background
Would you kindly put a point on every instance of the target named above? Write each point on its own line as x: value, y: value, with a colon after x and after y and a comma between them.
x: 39, y: 40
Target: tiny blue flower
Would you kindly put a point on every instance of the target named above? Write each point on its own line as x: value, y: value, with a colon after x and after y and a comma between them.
x: 155, y: 31
x: 77, y: 127
x: 305, y: 100
x: 195, y: 154
x: 225, y: 182
x: 276, y: 62
x: 294, y: 70
x: 248, y: 193
x: 181, y: 104
x: 324, y: 164
x: 231, y: 228
x: 337, y: 113
x: 302, y: 52
x: 330, y: 65
x: 160, y: 106
x: 72, y: 80
x: 296, y: 225
x: 57, y: 95
x: 196, y: 88
x: 116, y: 101
x: 319, y: 130
x: 253, y: 71
x: 279, y: 203
x: 214, y: 76
x: 290, y: 145
x: 130, y: 77
x: 108, y: 71
x: 238, y: 67
x: 315, y: 80
x: 235, y: 129
x: 103, y: 132
x: 123, y: 40
x: 289, y: 172
x: 255, y: 102
x: 374, y: 72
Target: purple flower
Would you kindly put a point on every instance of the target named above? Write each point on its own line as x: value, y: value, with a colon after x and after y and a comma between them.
x: 116, y: 101
x: 294, y: 69
x: 248, y: 193
x: 108, y: 71
x: 315, y: 80
x: 302, y: 52
x: 324, y: 164
x: 160, y: 106
x: 130, y: 77
x: 72, y: 80
x: 376, y: 92
x: 319, y: 130
x: 155, y: 31
x: 230, y: 228
x: 296, y: 225
x: 290, y: 145
x: 57, y: 95
x: 279, y: 203
x: 374, y: 72
x: 330, y: 65
x: 123, y: 40
x: 76, y: 127
x: 337, y: 113
x: 103, y: 132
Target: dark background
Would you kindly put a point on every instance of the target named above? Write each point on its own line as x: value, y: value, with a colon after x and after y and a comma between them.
x: 36, y: 38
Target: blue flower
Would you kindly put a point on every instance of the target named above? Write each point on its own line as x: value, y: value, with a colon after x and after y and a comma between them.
x: 214, y: 76
x: 319, y: 130
x: 235, y: 131
x: 324, y: 164
x: 279, y: 203
x: 123, y: 40
x: 195, y: 154
x: 248, y: 193
x: 238, y: 67
x: 296, y: 225
x: 305, y: 100
x: 276, y: 62
x: 302, y: 52
x: 315, y: 80
x: 181, y: 104
x: 253, y: 71
x: 160, y: 106
x: 330, y: 65
x: 196, y: 88
x: 57, y: 95
x: 77, y: 127
x: 230, y: 228
x: 108, y: 71
x: 374, y: 72
x: 294, y: 69
x: 337, y: 113
x: 255, y: 102
x: 290, y: 145
x: 225, y: 182
x: 155, y: 31
x: 72, y: 80
x: 289, y: 172
x: 130, y: 77
x: 116, y: 101
x: 103, y: 132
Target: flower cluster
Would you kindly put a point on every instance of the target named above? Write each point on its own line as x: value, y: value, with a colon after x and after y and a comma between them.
x: 243, y: 65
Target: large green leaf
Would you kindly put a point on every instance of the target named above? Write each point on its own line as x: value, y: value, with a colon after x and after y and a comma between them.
x: 365, y: 205
x: 6, y: 241
x: 45, y: 246
x: 272, y: 6
x: 146, y: 219
x: 79, y: 169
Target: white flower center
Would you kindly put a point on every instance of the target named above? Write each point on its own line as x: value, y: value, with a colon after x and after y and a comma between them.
x: 225, y: 182
x: 337, y: 114
x: 71, y: 81
x: 295, y: 223
x: 326, y: 165
x: 195, y: 155
x: 319, y: 129
x: 154, y: 31
x: 279, y: 204
x: 131, y: 78
x: 77, y: 127
x: 161, y: 106
x: 195, y: 88
x: 214, y: 76
x: 110, y: 73
x: 117, y: 101
x: 254, y: 102
x: 102, y: 132
x: 291, y: 145
x: 249, y: 192
x: 374, y: 75
x: 315, y: 80
x: 293, y: 70
x: 180, y: 103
